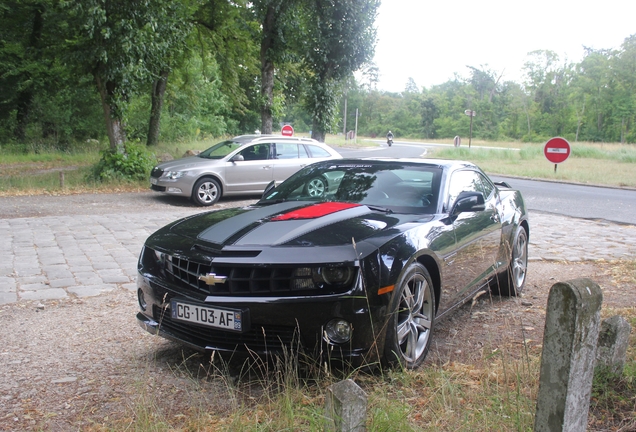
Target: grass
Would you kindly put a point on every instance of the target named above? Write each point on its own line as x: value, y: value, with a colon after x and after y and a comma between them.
x: 496, y: 391
x: 598, y: 164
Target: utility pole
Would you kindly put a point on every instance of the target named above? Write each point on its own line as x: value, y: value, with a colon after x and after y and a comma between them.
x: 344, y: 129
x: 470, y: 113
x: 355, y: 139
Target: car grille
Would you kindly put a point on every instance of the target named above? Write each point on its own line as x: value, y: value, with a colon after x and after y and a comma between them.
x: 262, y: 339
x: 245, y: 280
x: 156, y: 172
x: 158, y: 188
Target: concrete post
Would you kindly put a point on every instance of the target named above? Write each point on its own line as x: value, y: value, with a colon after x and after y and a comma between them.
x: 345, y: 407
x: 569, y: 354
x: 613, y: 341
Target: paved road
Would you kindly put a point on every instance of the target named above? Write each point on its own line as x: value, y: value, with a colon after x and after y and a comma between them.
x: 81, y: 246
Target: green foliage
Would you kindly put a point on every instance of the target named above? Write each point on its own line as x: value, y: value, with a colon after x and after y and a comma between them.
x: 134, y: 163
x: 340, y: 39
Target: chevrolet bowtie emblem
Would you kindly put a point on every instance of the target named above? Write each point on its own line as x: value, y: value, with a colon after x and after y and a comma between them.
x: 212, y: 279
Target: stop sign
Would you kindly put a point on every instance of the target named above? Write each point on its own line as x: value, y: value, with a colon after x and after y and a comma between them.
x: 287, y: 130
x: 556, y: 150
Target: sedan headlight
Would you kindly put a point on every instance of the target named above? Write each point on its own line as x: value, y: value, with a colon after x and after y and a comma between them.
x: 172, y: 175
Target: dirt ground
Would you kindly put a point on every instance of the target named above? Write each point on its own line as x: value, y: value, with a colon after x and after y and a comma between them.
x: 80, y: 364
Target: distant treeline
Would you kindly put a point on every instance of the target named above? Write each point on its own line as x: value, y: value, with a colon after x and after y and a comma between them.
x: 594, y: 100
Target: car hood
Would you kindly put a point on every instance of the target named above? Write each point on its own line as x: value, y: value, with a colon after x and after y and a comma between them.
x: 186, y: 163
x: 300, y: 224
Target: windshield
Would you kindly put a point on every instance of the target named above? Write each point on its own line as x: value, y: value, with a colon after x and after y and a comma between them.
x: 220, y: 150
x: 390, y: 186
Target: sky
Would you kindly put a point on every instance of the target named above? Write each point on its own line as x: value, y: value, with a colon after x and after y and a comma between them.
x: 431, y: 40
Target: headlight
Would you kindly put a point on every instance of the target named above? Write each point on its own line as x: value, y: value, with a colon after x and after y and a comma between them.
x: 322, y: 277
x: 334, y: 275
x: 172, y: 175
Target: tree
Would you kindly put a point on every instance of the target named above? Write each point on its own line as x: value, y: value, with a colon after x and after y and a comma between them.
x: 340, y: 39
x: 172, y: 21
x: 24, y: 67
x: 229, y: 32
x: 116, y: 41
x: 278, y: 22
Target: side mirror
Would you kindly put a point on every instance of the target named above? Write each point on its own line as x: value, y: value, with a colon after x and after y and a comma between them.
x: 270, y: 187
x: 469, y: 202
x: 238, y: 158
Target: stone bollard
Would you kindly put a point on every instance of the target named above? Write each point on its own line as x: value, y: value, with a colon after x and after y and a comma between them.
x: 345, y: 407
x: 613, y: 341
x: 568, y: 357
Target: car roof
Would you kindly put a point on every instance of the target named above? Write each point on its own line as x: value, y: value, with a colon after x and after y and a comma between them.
x: 244, y: 139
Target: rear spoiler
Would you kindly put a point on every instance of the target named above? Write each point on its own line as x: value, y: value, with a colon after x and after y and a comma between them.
x: 502, y: 184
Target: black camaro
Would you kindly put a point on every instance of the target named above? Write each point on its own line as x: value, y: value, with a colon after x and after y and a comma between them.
x: 353, y: 259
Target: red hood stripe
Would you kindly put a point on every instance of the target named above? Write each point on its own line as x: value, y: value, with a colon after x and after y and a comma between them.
x: 315, y: 211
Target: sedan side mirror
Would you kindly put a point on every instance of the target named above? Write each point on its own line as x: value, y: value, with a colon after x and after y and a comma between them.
x: 238, y: 158
x: 469, y: 202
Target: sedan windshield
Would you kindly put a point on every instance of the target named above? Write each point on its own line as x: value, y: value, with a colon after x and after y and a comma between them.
x: 220, y: 150
x: 390, y: 186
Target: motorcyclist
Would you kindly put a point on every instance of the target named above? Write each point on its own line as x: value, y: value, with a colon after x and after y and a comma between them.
x: 389, y: 138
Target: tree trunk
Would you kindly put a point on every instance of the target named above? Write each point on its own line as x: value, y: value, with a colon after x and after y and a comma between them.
x: 267, y: 71
x: 267, y: 96
x: 158, y: 93
x: 114, y: 126
x: 317, y: 133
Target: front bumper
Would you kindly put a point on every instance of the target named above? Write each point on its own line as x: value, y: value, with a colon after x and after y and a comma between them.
x: 278, y: 325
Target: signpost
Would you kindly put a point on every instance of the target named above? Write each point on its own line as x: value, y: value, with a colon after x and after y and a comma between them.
x: 470, y: 113
x: 287, y: 130
x: 556, y: 150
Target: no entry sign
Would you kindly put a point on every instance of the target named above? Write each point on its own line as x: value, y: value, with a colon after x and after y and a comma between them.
x: 287, y: 130
x: 556, y: 150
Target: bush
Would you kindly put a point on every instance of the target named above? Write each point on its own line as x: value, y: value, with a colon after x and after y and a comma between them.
x: 134, y: 163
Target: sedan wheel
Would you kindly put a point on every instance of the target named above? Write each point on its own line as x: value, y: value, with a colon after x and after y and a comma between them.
x: 206, y: 192
x: 410, y: 325
x: 316, y: 187
x: 511, y: 282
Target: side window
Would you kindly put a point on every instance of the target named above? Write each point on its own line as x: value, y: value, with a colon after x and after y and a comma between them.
x: 464, y: 181
x: 488, y: 187
x: 317, y: 152
x: 287, y: 151
x: 256, y: 152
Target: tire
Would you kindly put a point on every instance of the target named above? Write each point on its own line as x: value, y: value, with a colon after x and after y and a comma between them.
x: 206, y: 192
x: 511, y: 282
x: 411, y: 319
x: 316, y: 187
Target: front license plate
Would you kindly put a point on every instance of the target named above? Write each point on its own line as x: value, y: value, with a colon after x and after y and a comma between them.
x: 226, y: 319
x: 153, y: 180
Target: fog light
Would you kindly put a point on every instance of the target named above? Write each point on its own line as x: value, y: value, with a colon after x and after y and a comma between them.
x: 142, y: 300
x: 174, y: 190
x: 338, y: 331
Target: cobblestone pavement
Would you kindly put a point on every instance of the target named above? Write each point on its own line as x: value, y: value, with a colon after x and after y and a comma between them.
x: 56, y: 257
